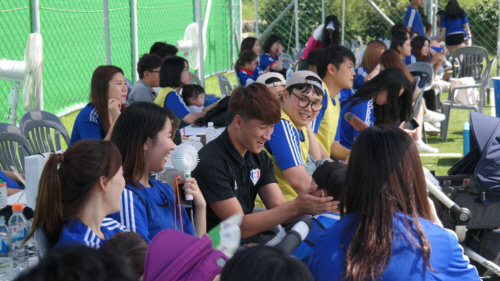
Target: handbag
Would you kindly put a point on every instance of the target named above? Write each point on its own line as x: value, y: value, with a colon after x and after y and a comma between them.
x: 469, y: 96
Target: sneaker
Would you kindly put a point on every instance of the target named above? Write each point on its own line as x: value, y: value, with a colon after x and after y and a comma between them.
x: 431, y: 130
x: 425, y: 148
x: 432, y: 116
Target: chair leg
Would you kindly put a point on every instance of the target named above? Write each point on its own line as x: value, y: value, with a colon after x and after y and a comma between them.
x: 444, y: 125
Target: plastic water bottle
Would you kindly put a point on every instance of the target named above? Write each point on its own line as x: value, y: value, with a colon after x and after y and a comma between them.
x: 466, y: 138
x: 18, y: 231
x: 210, y: 132
x: 5, y: 246
x: 196, y: 142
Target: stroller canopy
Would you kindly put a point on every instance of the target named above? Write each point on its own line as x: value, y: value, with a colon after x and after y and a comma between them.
x: 483, y: 160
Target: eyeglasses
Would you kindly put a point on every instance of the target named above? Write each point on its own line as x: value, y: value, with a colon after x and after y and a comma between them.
x: 304, y: 103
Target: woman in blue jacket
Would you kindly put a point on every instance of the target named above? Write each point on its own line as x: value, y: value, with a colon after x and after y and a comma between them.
x: 389, y: 228
x: 143, y: 134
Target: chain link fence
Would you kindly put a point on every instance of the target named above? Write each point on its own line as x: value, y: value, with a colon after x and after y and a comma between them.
x: 361, y: 19
x: 74, y: 41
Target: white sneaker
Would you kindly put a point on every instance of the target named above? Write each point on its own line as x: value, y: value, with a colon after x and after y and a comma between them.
x: 431, y: 130
x: 432, y: 116
x: 425, y: 148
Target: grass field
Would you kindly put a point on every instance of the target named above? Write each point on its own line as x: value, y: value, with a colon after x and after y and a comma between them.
x: 439, y: 164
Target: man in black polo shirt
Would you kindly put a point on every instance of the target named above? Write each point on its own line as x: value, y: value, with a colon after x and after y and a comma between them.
x: 233, y: 169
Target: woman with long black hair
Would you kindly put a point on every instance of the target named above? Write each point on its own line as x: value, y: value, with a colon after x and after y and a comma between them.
x: 454, y: 24
x: 389, y: 228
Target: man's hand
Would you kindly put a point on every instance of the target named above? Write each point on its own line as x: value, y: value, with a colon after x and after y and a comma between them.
x: 310, y: 204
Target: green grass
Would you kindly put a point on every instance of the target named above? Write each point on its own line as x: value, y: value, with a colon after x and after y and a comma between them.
x: 438, y: 164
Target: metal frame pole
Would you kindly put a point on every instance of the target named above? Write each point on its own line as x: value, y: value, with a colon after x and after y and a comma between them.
x: 322, y: 11
x: 198, y: 17
x: 105, y: 15
x: 296, y: 12
x: 232, y: 29
x: 35, y: 28
x: 256, y: 18
x: 343, y: 22
x: 134, y: 39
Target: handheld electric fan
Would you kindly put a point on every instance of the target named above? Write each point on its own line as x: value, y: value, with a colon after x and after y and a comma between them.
x: 185, y: 158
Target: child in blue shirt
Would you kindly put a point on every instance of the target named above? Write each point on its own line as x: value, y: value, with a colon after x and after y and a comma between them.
x: 78, y: 189
x: 247, y: 67
x: 386, y: 99
x: 329, y: 178
x: 272, y: 57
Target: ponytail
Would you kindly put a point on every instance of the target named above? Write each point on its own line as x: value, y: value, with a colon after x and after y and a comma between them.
x: 49, y: 194
x: 67, y: 182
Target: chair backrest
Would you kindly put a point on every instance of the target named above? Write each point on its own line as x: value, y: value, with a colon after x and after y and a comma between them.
x: 195, y: 79
x: 43, y: 131
x: 42, y: 244
x: 225, y: 85
x: 418, y: 100
x: 13, y: 148
x: 288, y: 61
x: 424, y: 71
x: 468, y: 62
x: 297, y: 53
x: 237, y: 77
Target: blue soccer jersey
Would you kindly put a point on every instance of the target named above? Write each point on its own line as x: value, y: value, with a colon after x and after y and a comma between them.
x: 406, y: 262
x: 77, y: 232
x: 6, y: 179
x: 410, y: 59
x: 267, y: 60
x: 359, y: 78
x: 320, y: 223
x: 345, y: 94
x: 363, y: 111
x: 87, y: 125
x: 455, y: 25
x: 245, y: 76
x: 175, y: 103
x: 148, y: 210
x: 414, y: 21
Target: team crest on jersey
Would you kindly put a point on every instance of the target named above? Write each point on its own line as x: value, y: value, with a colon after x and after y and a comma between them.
x: 255, y: 175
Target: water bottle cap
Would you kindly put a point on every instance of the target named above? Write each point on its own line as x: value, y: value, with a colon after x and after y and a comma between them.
x: 210, y: 124
x: 17, y: 207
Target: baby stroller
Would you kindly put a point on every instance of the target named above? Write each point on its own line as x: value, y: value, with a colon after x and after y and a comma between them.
x: 471, y: 196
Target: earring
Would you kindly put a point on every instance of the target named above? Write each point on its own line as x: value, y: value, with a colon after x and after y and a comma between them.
x: 144, y: 153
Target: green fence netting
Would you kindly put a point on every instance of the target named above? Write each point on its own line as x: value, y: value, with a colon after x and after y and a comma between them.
x: 74, y: 41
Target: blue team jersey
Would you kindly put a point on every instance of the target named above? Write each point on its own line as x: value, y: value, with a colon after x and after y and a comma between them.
x: 414, y: 21
x: 359, y: 78
x: 363, y: 111
x: 406, y: 262
x: 175, y: 103
x: 77, y: 232
x: 410, y: 59
x: 257, y: 72
x: 320, y: 223
x: 267, y: 60
x: 6, y: 179
x: 87, y: 125
x: 147, y: 211
x: 455, y: 25
x: 246, y: 77
x: 345, y: 94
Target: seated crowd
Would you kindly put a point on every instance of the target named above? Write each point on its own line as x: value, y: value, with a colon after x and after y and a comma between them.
x: 287, y: 151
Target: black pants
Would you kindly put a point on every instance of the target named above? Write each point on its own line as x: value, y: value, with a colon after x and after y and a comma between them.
x: 430, y: 100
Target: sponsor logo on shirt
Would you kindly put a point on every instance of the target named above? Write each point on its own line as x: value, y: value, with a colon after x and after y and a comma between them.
x: 255, y: 176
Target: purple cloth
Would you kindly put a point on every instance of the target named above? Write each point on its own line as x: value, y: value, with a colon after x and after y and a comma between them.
x: 174, y: 255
